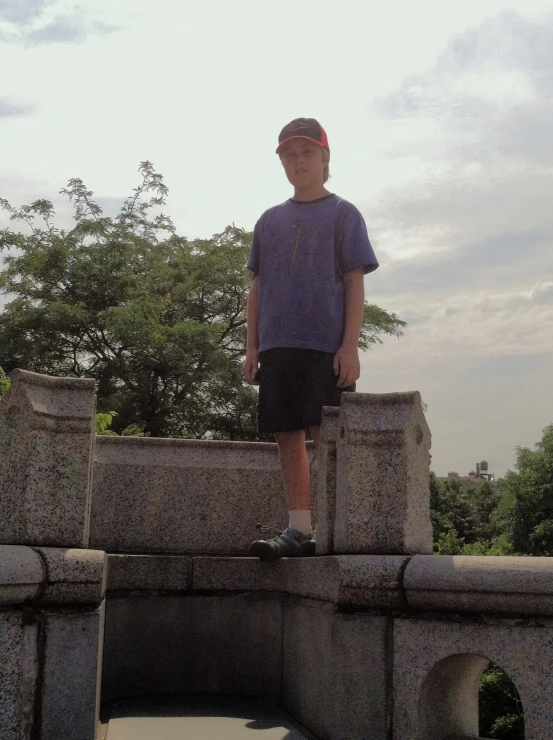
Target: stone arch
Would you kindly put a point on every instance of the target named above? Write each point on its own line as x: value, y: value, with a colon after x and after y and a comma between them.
x: 449, y: 697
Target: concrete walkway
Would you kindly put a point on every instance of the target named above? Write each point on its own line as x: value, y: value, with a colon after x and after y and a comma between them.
x: 198, y: 718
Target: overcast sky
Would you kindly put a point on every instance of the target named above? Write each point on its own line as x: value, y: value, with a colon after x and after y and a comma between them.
x: 439, y: 118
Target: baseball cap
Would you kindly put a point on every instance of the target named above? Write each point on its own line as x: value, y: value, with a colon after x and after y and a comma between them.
x: 303, y: 128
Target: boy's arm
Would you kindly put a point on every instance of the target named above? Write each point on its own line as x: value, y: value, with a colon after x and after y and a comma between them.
x: 346, y: 360
x: 354, y: 287
x: 253, y: 337
x: 251, y: 368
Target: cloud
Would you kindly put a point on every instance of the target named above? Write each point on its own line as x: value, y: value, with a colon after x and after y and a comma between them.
x: 68, y: 29
x: 39, y: 22
x: 23, y: 11
x: 10, y: 108
x: 488, y: 93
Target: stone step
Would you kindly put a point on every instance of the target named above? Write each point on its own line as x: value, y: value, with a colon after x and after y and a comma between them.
x: 198, y: 718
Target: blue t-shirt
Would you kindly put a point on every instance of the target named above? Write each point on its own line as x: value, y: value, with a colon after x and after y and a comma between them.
x: 301, y: 250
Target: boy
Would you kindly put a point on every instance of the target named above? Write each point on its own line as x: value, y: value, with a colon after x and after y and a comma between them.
x: 305, y: 309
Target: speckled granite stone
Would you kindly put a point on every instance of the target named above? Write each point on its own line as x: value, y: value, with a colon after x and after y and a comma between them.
x: 335, y: 670
x: 353, y: 580
x: 437, y: 665
x: 326, y: 483
x: 73, y: 576
x: 184, y: 496
x: 46, y: 438
x: 382, y: 488
x: 307, y: 675
x: 21, y: 574
x: 348, y: 580
x: 360, y: 675
x: 18, y: 675
x: 216, y: 644
x: 149, y: 573
x: 516, y: 585
x: 71, y: 675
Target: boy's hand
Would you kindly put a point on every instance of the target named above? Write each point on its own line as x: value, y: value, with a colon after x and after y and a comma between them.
x: 251, y: 367
x: 346, y: 364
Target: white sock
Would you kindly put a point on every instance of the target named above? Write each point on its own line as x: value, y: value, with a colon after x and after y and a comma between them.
x: 300, y: 519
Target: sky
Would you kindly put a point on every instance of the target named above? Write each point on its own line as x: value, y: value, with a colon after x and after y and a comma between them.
x: 439, y: 123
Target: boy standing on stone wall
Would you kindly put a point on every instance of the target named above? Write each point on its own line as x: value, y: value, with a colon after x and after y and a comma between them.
x: 305, y: 309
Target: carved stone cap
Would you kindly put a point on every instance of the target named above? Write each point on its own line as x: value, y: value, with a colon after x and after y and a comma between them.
x: 507, y: 584
x: 383, y: 419
x: 50, y: 401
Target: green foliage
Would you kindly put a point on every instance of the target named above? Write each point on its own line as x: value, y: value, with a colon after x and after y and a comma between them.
x: 528, y: 513
x: 104, y: 422
x: 377, y: 321
x: 158, y: 320
x: 4, y: 382
x: 467, y: 517
x: 500, y: 708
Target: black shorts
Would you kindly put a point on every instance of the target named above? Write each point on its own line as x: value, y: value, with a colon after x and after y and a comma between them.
x: 294, y: 385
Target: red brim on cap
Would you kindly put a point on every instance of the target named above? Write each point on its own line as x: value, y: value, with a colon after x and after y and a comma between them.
x: 308, y: 138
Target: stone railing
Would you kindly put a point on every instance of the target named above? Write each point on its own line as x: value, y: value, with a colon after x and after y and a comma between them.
x: 375, y: 637
x: 51, y: 627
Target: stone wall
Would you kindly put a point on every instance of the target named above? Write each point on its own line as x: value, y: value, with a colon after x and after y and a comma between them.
x: 353, y: 646
x: 375, y: 637
x: 51, y: 627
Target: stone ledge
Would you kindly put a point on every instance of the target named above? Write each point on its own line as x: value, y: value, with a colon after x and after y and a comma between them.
x: 355, y: 580
x: 148, y: 573
x: 22, y: 574
x: 48, y: 575
x: 73, y: 576
x: 521, y: 585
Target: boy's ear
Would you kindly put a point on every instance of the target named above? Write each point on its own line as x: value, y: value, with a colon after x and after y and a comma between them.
x: 326, y: 156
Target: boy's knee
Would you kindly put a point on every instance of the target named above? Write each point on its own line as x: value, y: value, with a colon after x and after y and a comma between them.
x: 289, y: 437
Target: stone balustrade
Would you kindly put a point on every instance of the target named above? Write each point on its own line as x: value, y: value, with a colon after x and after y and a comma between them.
x: 374, y: 637
x: 51, y: 629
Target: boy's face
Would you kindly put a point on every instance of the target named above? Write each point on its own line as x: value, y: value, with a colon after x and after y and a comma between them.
x: 303, y: 162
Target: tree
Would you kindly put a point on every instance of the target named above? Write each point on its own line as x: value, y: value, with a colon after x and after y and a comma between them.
x: 158, y: 320
x: 501, y: 713
x: 463, y: 515
x: 528, y: 499
x: 4, y: 382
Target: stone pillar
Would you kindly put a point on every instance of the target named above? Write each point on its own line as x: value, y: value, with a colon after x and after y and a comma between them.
x: 47, y: 432
x: 382, y: 476
x: 326, y: 482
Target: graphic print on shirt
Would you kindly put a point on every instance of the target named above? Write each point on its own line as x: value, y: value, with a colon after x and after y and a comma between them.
x: 303, y: 239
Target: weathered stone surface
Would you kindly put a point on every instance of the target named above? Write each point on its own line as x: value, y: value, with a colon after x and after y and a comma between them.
x: 237, y: 574
x: 326, y: 480
x: 521, y: 585
x: 227, y: 644
x: 334, y: 671
x: 149, y: 573
x: 382, y: 499
x: 46, y: 437
x: 70, y: 700
x: 359, y: 678
x: 18, y: 675
x: 354, y: 580
x: 307, y: 677
x: 451, y: 654
x: 73, y: 576
x: 184, y: 496
x: 21, y: 574
x: 199, y: 718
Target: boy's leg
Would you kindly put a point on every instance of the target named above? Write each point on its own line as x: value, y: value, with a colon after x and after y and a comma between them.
x: 294, y: 465
x: 297, y: 479
x: 295, y: 469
